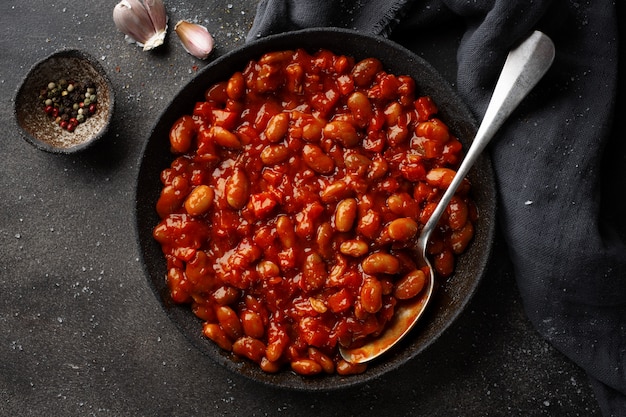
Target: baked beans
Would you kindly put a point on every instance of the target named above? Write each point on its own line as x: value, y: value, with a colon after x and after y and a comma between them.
x: 296, y: 189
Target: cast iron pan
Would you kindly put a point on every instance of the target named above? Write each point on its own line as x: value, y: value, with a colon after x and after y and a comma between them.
x: 449, y: 300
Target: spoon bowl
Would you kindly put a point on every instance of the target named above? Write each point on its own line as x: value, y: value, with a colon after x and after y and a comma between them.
x: 524, y: 67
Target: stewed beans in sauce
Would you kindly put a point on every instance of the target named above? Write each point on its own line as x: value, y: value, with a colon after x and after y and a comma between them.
x: 296, y: 188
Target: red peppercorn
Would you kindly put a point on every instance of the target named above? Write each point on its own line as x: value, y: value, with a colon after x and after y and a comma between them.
x: 64, y: 102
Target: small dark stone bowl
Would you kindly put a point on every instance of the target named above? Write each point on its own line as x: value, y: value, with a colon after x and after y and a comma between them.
x: 452, y: 296
x: 38, y: 128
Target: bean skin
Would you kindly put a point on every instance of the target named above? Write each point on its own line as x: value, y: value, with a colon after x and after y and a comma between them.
x: 308, y: 219
x: 440, y: 177
x: 365, y: 71
x: 345, y: 214
x: 410, y: 285
x: 199, y: 268
x: 369, y: 224
x: 346, y: 368
x: 403, y: 205
x: 378, y: 169
x: 224, y: 137
x: 306, y: 367
x: 343, y: 132
x: 275, y: 154
x: 354, y: 248
x: 317, y: 160
x: 229, y: 321
x: 236, y: 86
x: 252, y: 324
x: 200, y: 200
x: 218, y: 335
x: 226, y: 295
x: 358, y: 163
x: 182, y: 134
x: 458, y: 213
x: 444, y: 263
x: 335, y: 192
x: 381, y: 263
x: 295, y: 75
x: 267, y: 269
x: 434, y: 130
x: 277, y: 127
x: 275, y: 57
x: 278, y: 341
x: 275, y: 350
x: 312, y: 131
x: 371, y: 295
x: 249, y: 347
x: 324, y: 240
x: 393, y: 113
x: 217, y: 93
x: 327, y: 364
x: 318, y: 305
x: 461, y: 238
x: 402, y: 229
x: 314, y: 273
x: 169, y: 201
x: 286, y: 231
x: 268, y: 366
x: 361, y: 107
x: 237, y: 189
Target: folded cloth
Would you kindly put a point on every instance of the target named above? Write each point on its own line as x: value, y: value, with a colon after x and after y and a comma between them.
x: 569, y: 263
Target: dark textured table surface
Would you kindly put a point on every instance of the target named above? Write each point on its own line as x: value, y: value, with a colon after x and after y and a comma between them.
x: 81, y: 333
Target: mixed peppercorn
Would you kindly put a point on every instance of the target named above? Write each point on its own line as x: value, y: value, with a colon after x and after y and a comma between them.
x: 69, y: 103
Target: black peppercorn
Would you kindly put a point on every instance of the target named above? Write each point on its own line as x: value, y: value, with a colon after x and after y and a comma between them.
x: 69, y: 102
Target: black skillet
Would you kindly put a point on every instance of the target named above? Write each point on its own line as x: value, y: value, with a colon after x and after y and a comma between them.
x: 449, y: 300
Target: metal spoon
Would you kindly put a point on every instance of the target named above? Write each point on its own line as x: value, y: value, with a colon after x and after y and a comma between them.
x: 524, y: 67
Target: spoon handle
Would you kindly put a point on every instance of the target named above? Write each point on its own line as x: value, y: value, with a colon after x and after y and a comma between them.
x: 523, y: 68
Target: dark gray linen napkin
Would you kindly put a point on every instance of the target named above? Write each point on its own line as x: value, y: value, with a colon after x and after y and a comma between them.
x: 569, y: 263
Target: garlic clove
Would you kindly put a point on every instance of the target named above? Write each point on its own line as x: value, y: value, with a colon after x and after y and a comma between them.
x: 132, y: 19
x: 142, y: 22
x: 156, y: 40
x: 195, y: 38
x: 156, y: 11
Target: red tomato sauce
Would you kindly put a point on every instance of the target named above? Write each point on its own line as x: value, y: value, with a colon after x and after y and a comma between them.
x: 295, y: 189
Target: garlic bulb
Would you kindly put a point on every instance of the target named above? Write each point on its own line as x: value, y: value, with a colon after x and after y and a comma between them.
x: 195, y: 38
x: 142, y: 21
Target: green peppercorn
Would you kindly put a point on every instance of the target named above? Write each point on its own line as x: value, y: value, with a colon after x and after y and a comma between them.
x: 69, y: 103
